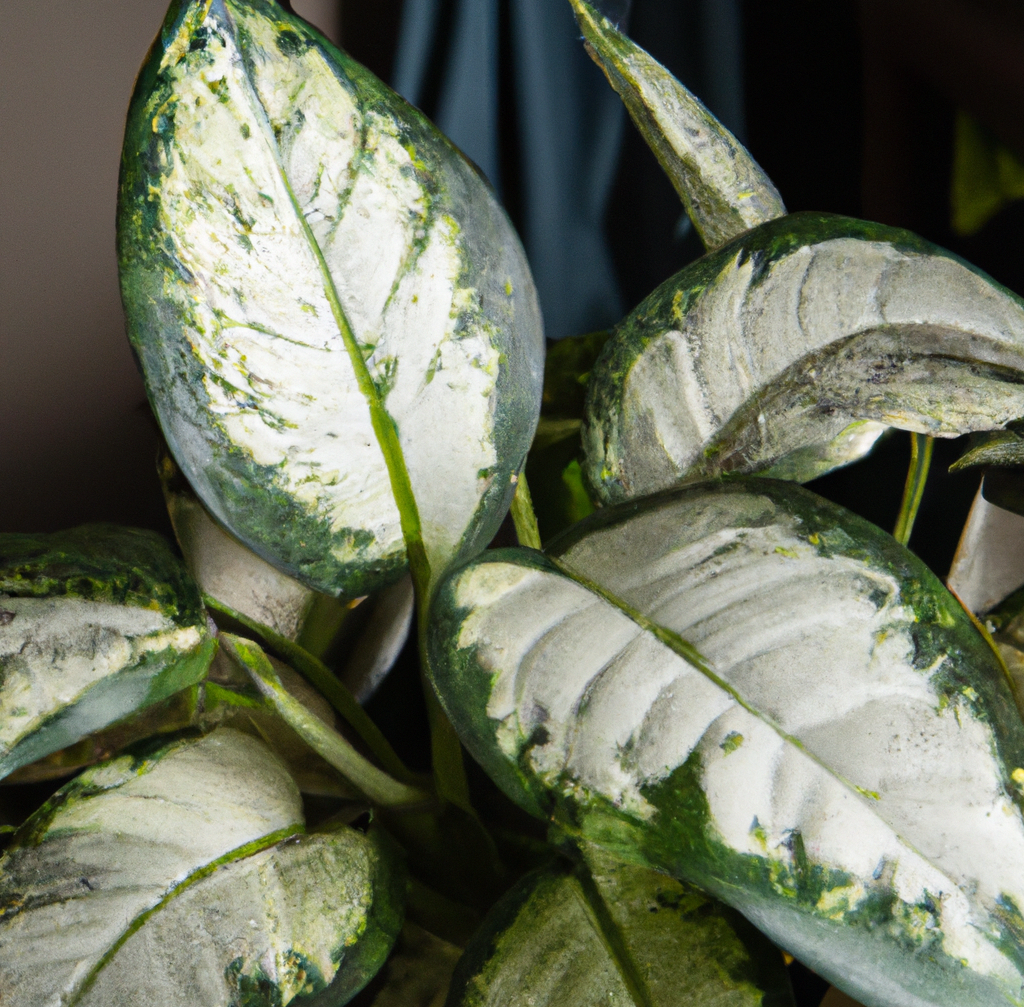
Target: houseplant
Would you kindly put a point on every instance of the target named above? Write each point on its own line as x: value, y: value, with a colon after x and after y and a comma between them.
x: 718, y: 687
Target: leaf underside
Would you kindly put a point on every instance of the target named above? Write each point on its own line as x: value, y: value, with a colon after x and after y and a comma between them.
x: 99, y: 622
x: 186, y: 868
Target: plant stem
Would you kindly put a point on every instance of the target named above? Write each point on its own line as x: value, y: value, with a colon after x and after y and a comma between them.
x: 379, y: 788
x: 917, y: 475
x: 319, y: 675
x: 523, y: 516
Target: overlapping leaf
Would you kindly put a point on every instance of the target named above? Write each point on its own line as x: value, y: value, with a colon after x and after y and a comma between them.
x: 188, y: 869
x: 96, y: 623
x: 336, y: 322
x: 618, y: 934
x: 753, y: 690
x: 791, y: 349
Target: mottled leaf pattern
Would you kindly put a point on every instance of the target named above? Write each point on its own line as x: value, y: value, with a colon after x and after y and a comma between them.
x: 336, y: 322
x: 725, y: 192
x: 791, y: 349
x: 96, y: 623
x: 749, y: 688
x: 615, y: 933
x: 187, y: 869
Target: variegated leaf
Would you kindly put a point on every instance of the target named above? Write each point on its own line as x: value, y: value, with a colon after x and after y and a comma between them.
x: 724, y: 190
x: 336, y: 323
x: 615, y: 933
x: 96, y: 623
x: 748, y: 687
x: 187, y: 869
x: 790, y: 350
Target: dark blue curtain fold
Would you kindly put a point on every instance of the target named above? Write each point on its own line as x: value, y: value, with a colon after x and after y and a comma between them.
x: 510, y: 82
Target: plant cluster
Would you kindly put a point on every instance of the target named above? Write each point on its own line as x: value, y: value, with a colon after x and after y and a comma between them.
x: 718, y: 715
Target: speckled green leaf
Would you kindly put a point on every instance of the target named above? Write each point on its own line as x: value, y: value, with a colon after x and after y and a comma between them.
x: 186, y: 873
x: 616, y: 934
x: 1003, y: 448
x: 789, y: 351
x: 751, y: 689
x: 96, y: 623
x: 336, y: 322
x: 724, y: 190
x: 988, y: 565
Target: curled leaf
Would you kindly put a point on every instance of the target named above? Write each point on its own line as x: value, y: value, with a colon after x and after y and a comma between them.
x: 96, y: 623
x: 620, y: 934
x: 724, y: 190
x: 753, y: 690
x: 187, y: 868
x: 317, y: 284
x: 790, y: 350
x: 989, y: 562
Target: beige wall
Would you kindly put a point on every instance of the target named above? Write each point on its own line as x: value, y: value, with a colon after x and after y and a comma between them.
x: 75, y: 438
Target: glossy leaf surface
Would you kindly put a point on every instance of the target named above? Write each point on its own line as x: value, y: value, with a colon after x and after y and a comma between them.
x: 336, y: 322
x: 187, y: 869
x: 96, y: 623
x: 724, y: 190
x: 791, y: 349
x: 753, y: 690
x: 616, y: 934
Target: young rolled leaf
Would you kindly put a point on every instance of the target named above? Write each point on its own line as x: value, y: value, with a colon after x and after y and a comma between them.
x: 751, y: 689
x: 419, y: 970
x: 724, y: 190
x: 789, y: 351
x: 317, y: 285
x: 187, y: 870
x: 989, y: 562
x: 96, y: 623
x: 616, y: 934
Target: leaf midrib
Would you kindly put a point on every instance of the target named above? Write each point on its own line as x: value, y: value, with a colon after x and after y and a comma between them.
x: 384, y: 427
x: 242, y: 852
x: 689, y: 653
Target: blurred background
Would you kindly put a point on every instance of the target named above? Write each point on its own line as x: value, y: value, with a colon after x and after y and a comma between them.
x: 902, y: 111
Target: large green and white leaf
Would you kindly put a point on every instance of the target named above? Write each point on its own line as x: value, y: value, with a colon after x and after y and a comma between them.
x: 187, y: 870
x: 336, y: 322
x: 1007, y: 627
x: 96, y: 623
x: 751, y: 689
x: 616, y: 934
x: 724, y: 190
x: 229, y: 571
x: 790, y: 350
